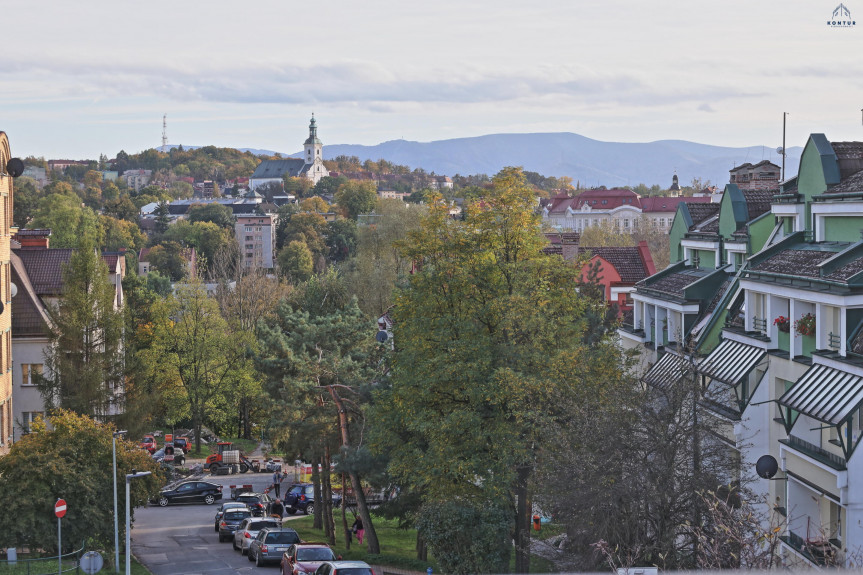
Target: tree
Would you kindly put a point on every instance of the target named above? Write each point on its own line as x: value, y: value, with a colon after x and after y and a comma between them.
x: 341, y: 237
x: 122, y: 234
x: 296, y: 262
x: 489, y: 328
x: 355, y: 198
x: 195, y: 354
x: 26, y: 200
x: 328, y: 185
x: 315, y: 204
x: 318, y: 352
x: 216, y: 213
x: 308, y: 228
x: 68, y: 221
x: 83, y: 364
x: 72, y: 461
x: 169, y: 258
x: 121, y: 208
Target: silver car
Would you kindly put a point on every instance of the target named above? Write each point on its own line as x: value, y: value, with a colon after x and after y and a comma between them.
x: 248, y: 530
x: 271, y: 543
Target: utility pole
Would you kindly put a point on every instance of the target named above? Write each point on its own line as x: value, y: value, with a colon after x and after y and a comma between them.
x: 784, y: 116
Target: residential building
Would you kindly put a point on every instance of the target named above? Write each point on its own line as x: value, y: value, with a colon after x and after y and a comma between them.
x: 37, y: 273
x: 256, y: 236
x: 137, y: 179
x: 620, y: 207
x: 61, y: 165
x: 771, y: 316
x: 6, y: 293
x: 762, y: 176
x: 189, y: 255
x: 310, y: 166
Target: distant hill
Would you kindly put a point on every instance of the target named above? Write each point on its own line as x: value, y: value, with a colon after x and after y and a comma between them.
x: 590, y: 162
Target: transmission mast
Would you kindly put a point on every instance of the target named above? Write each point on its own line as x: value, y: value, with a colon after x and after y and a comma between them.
x: 165, y: 133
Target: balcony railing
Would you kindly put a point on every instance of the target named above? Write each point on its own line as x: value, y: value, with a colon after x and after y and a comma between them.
x: 819, y: 552
x: 837, y: 462
x: 759, y: 323
x: 834, y: 340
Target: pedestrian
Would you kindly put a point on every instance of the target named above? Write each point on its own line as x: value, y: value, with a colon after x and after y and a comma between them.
x: 358, y: 529
x: 276, y: 483
x: 277, y: 509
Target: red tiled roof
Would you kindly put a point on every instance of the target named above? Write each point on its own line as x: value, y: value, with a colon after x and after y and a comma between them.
x: 669, y: 204
x: 613, y: 198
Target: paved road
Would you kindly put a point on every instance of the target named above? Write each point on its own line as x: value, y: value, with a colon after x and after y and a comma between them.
x: 180, y: 540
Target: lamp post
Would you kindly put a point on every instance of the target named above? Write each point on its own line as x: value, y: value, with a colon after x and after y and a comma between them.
x: 129, y: 478
x: 116, y: 434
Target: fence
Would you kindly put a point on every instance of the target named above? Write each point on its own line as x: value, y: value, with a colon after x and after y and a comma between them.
x: 43, y: 565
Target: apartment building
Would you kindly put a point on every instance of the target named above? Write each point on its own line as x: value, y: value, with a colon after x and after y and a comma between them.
x: 256, y: 236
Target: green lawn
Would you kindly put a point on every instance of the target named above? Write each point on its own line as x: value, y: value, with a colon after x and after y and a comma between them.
x: 398, y: 546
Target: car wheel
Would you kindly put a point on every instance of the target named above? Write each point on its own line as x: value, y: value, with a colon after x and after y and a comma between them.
x: 217, y: 527
x: 244, y: 551
x: 249, y: 555
x: 258, y: 562
x: 209, y: 499
x: 290, y: 511
x: 221, y: 538
x: 243, y: 468
x: 163, y: 502
x: 310, y: 509
x: 214, y: 468
x: 234, y: 544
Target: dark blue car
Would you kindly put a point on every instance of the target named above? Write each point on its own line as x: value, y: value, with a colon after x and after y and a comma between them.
x: 301, y: 497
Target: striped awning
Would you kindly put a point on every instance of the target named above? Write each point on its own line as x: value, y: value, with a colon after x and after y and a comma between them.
x: 667, y: 371
x: 827, y: 394
x: 731, y: 361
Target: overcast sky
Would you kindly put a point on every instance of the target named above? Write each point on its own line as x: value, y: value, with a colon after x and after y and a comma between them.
x: 83, y: 78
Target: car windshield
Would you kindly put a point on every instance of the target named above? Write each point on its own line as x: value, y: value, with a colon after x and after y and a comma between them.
x: 248, y: 499
x: 258, y: 525
x: 320, y: 554
x: 284, y: 537
x: 237, y: 514
x: 296, y: 489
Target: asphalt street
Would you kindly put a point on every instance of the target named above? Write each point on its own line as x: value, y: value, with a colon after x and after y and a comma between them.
x: 180, y: 539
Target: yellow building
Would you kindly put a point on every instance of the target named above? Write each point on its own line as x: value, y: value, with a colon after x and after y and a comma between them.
x: 6, y: 422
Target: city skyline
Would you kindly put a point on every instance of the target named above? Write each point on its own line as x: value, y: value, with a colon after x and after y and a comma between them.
x: 80, y: 80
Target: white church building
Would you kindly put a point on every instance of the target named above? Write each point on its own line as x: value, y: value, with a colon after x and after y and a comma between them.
x: 310, y: 166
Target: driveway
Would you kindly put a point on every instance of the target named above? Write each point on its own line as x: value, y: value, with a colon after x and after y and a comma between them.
x: 180, y: 540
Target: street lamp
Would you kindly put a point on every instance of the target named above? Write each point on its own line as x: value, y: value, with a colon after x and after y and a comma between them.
x: 115, y: 435
x: 129, y: 477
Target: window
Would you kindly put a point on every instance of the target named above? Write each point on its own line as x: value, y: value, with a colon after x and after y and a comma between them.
x: 661, y: 222
x: 248, y: 228
x: 626, y: 224
x: 249, y: 238
x: 28, y: 370
x: 28, y: 417
x: 604, y: 202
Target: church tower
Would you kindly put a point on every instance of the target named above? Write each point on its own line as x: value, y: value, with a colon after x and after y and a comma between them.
x: 313, y: 146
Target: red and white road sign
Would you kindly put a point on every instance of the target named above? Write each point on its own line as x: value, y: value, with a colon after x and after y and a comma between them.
x: 60, y: 508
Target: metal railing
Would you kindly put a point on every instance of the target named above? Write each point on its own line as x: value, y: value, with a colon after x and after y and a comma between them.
x: 835, y: 461
x: 43, y: 565
x: 759, y: 323
x: 834, y: 340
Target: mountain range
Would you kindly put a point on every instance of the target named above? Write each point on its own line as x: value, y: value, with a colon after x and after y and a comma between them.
x: 588, y: 162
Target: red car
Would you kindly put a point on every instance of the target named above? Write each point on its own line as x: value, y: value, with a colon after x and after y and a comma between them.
x: 149, y: 443
x: 305, y: 558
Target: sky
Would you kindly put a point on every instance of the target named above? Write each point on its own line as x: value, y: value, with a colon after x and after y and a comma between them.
x: 79, y: 79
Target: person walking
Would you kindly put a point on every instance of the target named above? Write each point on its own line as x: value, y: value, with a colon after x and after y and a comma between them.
x: 358, y: 529
x: 276, y: 483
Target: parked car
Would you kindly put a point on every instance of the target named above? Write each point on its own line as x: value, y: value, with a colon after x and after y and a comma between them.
x: 304, y: 558
x: 179, y: 458
x: 301, y: 497
x: 344, y: 568
x: 190, y: 492
x: 183, y: 443
x: 230, y: 522
x: 224, y: 507
x: 248, y: 530
x: 148, y: 443
x: 270, y: 544
x: 259, y: 503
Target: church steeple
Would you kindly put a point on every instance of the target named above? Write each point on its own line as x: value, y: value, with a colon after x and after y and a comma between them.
x: 313, y: 146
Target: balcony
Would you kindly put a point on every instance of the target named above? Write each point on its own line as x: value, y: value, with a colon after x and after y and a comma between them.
x: 817, y: 551
x: 837, y: 462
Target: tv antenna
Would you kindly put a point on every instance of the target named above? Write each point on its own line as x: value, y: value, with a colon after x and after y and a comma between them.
x: 164, y: 132
x: 781, y: 150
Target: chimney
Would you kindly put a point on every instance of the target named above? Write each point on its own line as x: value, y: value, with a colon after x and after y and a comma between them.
x: 569, y: 245
x: 644, y: 252
x: 37, y: 239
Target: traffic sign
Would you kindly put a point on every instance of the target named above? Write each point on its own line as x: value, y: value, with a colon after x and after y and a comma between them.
x: 60, y: 508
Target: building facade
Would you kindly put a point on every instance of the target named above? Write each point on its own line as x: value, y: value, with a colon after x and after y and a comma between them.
x: 770, y: 313
x: 6, y: 202
x: 256, y: 236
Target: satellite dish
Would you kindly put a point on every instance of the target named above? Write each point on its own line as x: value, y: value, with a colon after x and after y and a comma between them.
x: 15, y: 167
x: 780, y: 150
x: 13, y: 288
x: 382, y: 336
x: 766, y: 466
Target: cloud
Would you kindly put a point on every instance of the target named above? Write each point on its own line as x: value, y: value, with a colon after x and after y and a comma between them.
x: 706, y: 107
x: 371, y: 85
